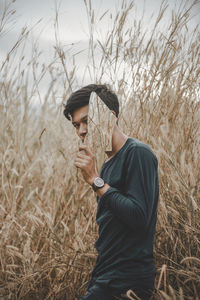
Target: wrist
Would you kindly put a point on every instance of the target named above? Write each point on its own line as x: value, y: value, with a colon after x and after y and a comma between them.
x: 92, y: 179
x: 100, y: 192
x: 98, y: 183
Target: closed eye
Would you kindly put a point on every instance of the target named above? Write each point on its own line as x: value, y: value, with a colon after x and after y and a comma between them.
x: 76, y: 125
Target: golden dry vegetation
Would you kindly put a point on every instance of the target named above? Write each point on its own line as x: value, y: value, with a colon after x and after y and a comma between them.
x: 47, y: 212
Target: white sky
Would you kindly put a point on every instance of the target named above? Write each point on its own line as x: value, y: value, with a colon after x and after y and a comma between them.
x: 73, y: 24
x: 72, y: 17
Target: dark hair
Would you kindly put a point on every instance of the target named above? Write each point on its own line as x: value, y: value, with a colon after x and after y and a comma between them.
x: 81, y: 98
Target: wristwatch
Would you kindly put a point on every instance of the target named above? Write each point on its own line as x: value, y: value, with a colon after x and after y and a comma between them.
x: 98, y: 183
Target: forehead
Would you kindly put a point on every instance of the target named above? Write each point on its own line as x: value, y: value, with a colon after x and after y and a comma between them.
x: 80, y: 113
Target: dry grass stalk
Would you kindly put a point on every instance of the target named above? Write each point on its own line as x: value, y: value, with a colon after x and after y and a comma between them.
x: 47, y: 221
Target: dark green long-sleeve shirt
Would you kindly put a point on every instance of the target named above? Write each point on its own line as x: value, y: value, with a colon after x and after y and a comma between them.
x: 126, y: 216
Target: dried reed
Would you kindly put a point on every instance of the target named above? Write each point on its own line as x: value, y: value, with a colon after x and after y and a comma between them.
x: 47, y: 212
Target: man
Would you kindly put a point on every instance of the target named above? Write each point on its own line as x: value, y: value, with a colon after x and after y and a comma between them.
x: 127, y: 196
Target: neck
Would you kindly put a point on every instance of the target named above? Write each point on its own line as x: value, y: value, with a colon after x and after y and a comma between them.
x: 118, y: 140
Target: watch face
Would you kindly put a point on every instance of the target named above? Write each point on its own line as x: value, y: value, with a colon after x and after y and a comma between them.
x: 99, y: 182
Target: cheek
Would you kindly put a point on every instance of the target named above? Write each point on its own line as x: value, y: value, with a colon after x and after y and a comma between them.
x: 77, y: 131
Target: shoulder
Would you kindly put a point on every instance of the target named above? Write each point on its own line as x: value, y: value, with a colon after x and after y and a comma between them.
x: 137, y: 148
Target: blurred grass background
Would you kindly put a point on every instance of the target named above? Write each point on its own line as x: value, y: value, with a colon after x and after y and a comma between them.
x: 47, y: 212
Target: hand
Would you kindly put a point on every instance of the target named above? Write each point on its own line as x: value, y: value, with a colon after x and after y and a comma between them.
x: 86, y: 162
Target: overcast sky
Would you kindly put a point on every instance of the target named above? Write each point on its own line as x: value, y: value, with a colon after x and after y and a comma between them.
x: 72, y: 17
x: 73, y: 23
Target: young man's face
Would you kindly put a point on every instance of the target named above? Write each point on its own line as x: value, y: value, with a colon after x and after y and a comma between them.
x: 95, y: 122
x: 80, y: 121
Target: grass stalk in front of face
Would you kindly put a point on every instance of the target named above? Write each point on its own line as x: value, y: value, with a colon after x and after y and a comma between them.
x: 47, y: 212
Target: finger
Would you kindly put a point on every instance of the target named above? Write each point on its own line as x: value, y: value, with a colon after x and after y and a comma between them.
x: 78, y: 165
x: 87, y: 150
x: 80, y: 160
x: 83, y: 156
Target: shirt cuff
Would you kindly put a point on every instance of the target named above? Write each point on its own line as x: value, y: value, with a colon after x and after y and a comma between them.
x: 109, y: 191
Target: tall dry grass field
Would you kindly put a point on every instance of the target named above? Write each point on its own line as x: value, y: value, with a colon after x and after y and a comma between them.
x: 47, y: 211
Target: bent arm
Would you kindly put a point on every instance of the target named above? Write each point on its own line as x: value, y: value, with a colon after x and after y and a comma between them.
x: 134, y: 207
x: 125, y: 208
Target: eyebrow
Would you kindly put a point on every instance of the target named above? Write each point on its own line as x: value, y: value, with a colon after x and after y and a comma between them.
x: 84, y: 117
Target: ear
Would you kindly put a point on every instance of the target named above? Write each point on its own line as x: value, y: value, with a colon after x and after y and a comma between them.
x: 113, y: 112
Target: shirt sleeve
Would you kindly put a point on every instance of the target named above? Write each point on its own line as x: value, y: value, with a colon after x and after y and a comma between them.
x: 136, y: 205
